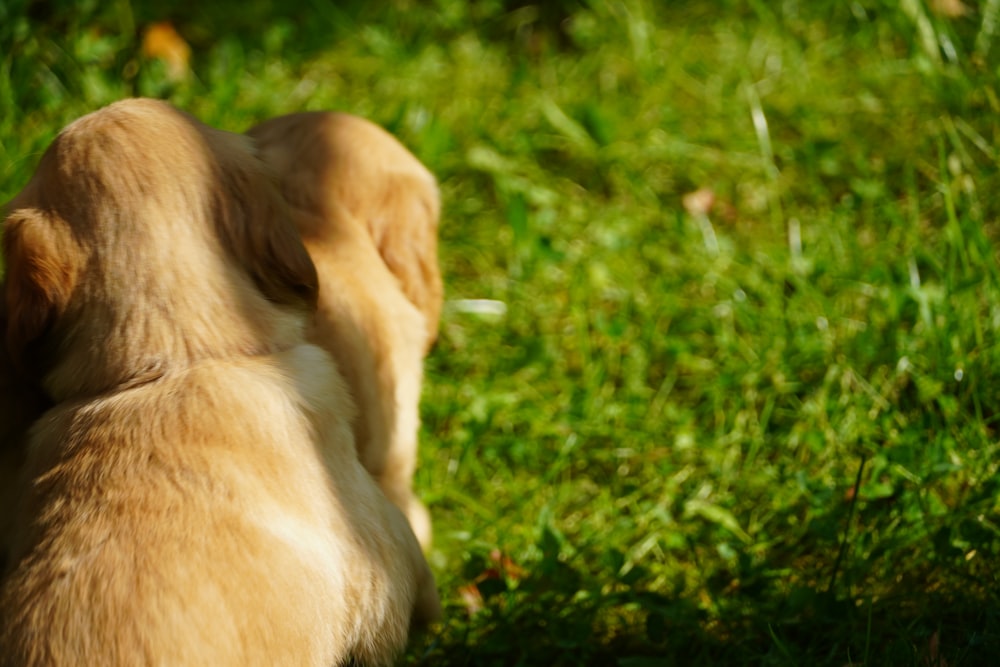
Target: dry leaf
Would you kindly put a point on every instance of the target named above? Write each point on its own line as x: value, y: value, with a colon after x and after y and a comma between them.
x: 162, y: 41
x: 933, y: 657
x: 951, y: 9
x: 699, y: 202
x: 507, y: 567
x: 471, y: 598
x: 504, y: 568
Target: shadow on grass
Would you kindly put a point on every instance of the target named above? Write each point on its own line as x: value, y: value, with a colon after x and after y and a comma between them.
x: 920, y: 629
x: 556, y: 611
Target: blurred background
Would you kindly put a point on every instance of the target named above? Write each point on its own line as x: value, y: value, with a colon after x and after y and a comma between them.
x: 733, y: 394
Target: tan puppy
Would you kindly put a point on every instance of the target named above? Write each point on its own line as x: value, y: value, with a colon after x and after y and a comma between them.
x: 368, y: 213
x: 194, y: 496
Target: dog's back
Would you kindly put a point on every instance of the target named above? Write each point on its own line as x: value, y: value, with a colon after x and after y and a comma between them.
x: 163, y: 514
x: 190, y: 521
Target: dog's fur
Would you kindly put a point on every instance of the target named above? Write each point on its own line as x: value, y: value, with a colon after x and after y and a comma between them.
x: 194, y: 496
x: 368, y: 212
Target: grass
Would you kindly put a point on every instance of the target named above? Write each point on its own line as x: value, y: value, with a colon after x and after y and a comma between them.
x: 758, y: 432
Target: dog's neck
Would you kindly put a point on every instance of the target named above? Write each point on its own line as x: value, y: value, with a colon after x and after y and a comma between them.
x: 189, y: 315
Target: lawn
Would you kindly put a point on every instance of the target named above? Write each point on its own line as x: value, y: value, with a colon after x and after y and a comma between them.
x: 734, y: 397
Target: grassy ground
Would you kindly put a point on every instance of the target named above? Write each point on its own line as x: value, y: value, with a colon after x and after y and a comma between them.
x: 753, y: 426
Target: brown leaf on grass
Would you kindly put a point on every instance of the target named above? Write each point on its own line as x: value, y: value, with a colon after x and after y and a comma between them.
x: 506, y: 567
x: 699, y: 202
x: 951, y: 9
x: 162, y: 41
x: 503, y: 567
x: 471, y: 598
x: 933, y: 657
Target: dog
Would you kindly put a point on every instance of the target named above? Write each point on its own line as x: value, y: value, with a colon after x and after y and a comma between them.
x: 368, y: 213
x: 193, y: 496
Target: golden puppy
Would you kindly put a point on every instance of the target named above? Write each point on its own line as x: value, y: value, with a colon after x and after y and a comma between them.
x: 194, y: 496
x: 368, y: 211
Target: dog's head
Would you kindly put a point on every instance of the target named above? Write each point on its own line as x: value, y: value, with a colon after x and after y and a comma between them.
x: 145, y: 237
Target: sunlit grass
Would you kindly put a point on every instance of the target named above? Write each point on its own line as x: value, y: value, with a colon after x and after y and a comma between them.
x: 760, y: 432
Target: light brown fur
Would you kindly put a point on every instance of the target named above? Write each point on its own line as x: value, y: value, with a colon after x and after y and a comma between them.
x: 368, y: 213
x: 194, y: 496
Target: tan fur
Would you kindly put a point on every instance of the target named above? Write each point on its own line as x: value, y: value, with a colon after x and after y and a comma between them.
x: 368, y: 213
x: 194, y: 496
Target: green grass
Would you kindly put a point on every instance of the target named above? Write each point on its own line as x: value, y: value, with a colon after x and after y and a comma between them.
x: 766, y: 435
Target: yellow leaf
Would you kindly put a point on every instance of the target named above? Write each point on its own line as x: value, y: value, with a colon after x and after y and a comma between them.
x: 162, y: 41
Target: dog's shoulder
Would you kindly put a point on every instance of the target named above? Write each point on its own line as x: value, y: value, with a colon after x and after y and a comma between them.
x: 244, y: 402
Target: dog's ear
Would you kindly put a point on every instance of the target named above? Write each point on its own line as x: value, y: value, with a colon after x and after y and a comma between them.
x: 261, y: 234
x: 39, y: 279
x: 404, y: 224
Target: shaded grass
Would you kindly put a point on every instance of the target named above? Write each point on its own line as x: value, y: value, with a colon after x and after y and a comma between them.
x: 759, y: 434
